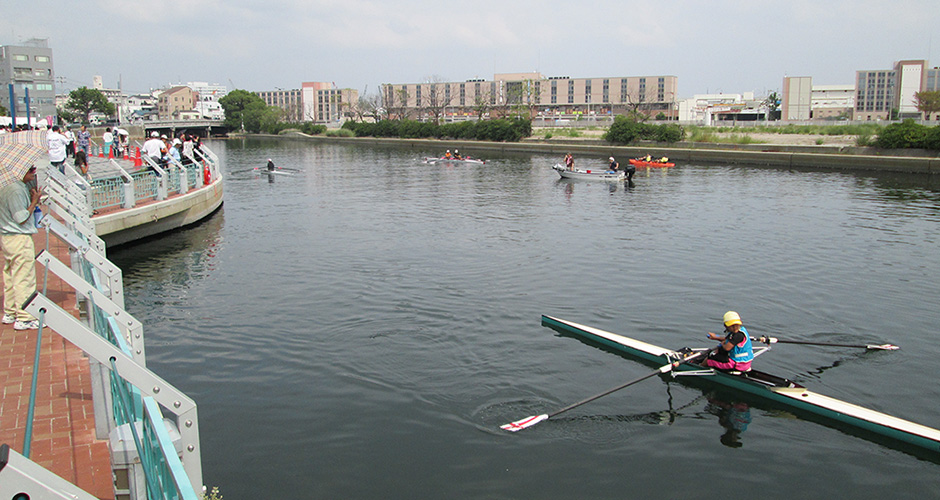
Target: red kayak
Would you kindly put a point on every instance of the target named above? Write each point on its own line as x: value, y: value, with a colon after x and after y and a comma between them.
x: 650, y: 164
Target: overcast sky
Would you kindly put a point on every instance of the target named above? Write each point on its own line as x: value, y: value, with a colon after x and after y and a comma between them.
x: 729, y: 46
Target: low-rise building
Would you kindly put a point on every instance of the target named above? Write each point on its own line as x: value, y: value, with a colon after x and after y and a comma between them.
x: 705, y: 109
x: 207, y: 103
x: 175, y: 100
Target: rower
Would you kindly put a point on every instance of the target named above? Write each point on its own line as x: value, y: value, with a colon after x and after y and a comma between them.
x: 448, y: 155
x: 457, y: 154
x: 664, y: 160
x: 270, y: 165
x: 734, y: 353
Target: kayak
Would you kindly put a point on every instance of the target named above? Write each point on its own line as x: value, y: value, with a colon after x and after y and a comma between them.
x: 650, y: 164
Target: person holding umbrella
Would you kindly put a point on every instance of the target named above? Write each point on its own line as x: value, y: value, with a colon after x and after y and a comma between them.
x: 17, y: 202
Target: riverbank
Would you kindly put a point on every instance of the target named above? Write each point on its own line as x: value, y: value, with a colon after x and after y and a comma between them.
x: 818, y: 157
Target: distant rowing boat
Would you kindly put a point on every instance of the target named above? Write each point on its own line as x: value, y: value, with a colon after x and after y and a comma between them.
x: 768, y: 387
x: 454, y: 160
x: 594, y: 175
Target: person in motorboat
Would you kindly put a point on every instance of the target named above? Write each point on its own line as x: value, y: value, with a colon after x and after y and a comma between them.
x: 569, y: 161
x: 735, y: 352
x: 614, y: 166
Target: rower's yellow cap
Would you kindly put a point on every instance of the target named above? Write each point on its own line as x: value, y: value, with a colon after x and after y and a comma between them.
x: 732, y: 318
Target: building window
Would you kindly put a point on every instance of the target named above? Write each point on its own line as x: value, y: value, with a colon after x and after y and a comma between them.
x: 20, y: 57
x: 42, y: 58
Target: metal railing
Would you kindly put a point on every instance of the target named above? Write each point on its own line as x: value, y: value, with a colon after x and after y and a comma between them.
x: 113, y: 338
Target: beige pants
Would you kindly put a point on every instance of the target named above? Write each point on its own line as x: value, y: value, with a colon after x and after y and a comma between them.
x: 19, y: 274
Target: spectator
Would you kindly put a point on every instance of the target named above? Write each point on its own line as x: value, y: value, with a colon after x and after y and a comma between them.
x: 17, y: 202
x: 70, y: 147
x: 108, y: 139
x: 188, y: 150
x: 84, y: 139
x: 152, y: 147
x: 57, y: 148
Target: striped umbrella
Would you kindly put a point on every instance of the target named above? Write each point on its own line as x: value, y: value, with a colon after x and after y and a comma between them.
x: 18, y: 152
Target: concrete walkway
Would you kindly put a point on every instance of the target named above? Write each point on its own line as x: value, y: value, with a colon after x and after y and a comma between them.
x: 63, y: 425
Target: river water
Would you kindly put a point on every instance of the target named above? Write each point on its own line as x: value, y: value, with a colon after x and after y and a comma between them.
x: 361, y: 328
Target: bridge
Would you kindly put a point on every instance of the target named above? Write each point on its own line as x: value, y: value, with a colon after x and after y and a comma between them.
x: 204, y: 128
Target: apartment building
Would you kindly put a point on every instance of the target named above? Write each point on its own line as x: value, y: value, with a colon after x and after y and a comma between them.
x: 319, y: 102
x: 28, y: 68
x: 289, y: 100
x: 650, y: 95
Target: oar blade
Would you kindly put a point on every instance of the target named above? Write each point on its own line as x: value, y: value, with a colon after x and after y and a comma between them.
x: 883, y: 347
x: 518, y: 425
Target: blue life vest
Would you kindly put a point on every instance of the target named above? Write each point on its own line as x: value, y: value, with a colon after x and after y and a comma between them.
x: 744, y: 352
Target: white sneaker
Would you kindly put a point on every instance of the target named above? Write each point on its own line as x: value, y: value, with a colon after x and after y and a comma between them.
x: 26, y: 325
x: 7, y: 319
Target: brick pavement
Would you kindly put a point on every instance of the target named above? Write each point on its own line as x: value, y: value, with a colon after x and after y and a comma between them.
x: 63, y: 425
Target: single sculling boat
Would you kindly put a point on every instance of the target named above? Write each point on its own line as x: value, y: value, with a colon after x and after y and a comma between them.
x: 767, y: 387
x: 594, y: 175
x: 650, y: 164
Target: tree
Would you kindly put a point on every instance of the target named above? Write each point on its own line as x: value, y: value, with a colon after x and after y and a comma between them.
x: 83, y: 101
x: 64, y: 115
x: 436, y: 98
x: 927, y: 102
x: 369, y: 105
x: 4, y: 111
x: 396, y: 102
x: 772, y: 102
x: 243, y: 110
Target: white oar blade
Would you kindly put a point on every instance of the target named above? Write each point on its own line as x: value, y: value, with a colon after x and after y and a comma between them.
x: 883, y: 347
x: 518, y: 425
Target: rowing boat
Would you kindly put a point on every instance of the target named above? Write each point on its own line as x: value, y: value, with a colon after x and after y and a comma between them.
x: 469, y: 160
x: 769, y: 388
x: 594, y: 175
x: 650, y: 164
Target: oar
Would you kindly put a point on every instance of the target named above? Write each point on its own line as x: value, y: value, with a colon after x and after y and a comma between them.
x: 518, y: 425
x: 775, y: 340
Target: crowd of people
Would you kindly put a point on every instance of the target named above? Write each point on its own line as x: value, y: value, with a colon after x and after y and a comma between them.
x: 163, y: 150
x: 20, y: 198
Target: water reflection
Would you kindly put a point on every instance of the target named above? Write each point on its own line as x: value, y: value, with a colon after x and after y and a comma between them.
x: 733, y: 415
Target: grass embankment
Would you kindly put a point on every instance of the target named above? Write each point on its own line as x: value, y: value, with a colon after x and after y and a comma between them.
x: 864, y: 133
